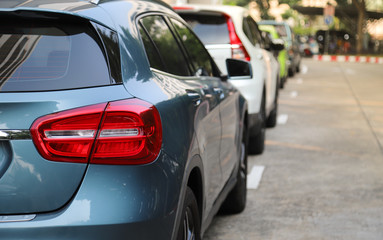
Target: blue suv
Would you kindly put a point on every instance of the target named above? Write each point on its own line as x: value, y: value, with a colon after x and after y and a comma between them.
x: 115, y: 123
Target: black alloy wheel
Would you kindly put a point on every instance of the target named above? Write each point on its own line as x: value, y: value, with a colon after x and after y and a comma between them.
x: 190, y: 226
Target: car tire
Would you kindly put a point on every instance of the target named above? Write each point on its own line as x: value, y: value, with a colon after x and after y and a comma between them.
x: 272, y: 119
x: 190, y: 225
x: 298, y: 68
x: 235, y: 202
x: 257, y: 141
x: 292, y: 71
x: 283, y: 81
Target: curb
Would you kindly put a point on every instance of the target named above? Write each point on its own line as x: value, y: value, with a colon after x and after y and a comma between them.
x: 343, y: 58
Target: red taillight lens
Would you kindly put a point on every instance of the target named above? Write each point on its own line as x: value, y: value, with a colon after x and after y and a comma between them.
x: 183, y: 8
x: 121, y: 132
x: 238, y: 51
x: 67, y: 136
x: 130, y: 132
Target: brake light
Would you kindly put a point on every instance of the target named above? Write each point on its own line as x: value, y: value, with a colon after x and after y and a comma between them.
x: 121, y: 132
x: 238, y: 51
x: 183, y: 8
x: 131, y: 133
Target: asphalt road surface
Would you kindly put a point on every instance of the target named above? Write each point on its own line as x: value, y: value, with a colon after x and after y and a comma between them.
x: 321, y: 175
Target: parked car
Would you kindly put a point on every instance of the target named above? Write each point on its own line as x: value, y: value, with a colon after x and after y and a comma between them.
x: 292, y: 44
x: 229, y: 31
x: 115, y: 123
x: 281, y: 55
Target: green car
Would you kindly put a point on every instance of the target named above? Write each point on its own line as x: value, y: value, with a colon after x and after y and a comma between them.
x: 282, y: 56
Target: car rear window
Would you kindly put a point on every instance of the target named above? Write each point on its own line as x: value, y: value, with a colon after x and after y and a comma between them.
x: 211, y: 29
x: 40, y: 57
x: 281, y: 30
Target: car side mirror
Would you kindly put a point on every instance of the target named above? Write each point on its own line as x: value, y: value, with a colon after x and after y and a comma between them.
x: 278, y: 44
x: 238, y: 69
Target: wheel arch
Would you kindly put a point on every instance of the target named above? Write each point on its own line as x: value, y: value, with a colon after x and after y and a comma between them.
x: 196, y: 184
x: 192, y: 178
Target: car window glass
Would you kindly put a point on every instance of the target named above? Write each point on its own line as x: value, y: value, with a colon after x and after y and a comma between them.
x: 151, y: 51
x: 254, y: 30
x: 210, y: 29
x: 173, y: 59
x: 281, y: 30
x: 198, y: 55
x: 50, y: 56
x: 267, y: 40
x: 247, y: 31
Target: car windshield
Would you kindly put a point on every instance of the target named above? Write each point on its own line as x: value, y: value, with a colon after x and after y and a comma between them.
x: 210, y: 29
x: 36, y: 57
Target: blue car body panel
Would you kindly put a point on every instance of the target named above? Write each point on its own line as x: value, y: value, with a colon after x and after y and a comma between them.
x: 133, y: 198
x: 50, y: 184
x: 59, y: 200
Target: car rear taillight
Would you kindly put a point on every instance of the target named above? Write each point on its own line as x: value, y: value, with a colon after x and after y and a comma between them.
x: 183, y: 8
x: 121, y: 132
x: 130, y: 133
x: 238, y: 51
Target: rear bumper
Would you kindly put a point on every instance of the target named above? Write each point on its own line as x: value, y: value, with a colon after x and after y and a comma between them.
x: 113, y: 202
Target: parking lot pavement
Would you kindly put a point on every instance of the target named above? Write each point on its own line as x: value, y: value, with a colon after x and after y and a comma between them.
x: 322, y: 170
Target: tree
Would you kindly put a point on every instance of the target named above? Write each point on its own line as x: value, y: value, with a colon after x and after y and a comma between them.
x: 361, y: 8
x: 262, y: 4
x: 241, y: 3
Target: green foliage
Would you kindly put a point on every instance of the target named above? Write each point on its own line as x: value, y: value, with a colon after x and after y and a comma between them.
x: 304, y: 31
x: 289, y: 13
x: 241, y: 3
x: 290, y: 2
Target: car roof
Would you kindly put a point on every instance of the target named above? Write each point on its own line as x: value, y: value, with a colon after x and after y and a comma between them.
x: 105, y: 12
x: 228, y: 10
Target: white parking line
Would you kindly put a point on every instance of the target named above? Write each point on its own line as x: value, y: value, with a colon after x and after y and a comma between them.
x: 282, y: 119
x: 304, y: 69
x: 294, y: 94
x: 255, y: 176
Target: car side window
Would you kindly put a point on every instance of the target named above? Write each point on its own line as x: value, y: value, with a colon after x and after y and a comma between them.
x: 267, y: 39
x: 161, y: 47
x: 154, y: 57
x: 198, y: 55
x: 253, y: 27
x: 247, y: 31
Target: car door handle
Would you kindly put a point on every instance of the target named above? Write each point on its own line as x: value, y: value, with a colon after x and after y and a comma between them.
x: 194, y: 96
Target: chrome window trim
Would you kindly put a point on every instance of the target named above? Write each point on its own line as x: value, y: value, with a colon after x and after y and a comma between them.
x: 17, y: 218
x: 94, y: 2
x: 14, y: 134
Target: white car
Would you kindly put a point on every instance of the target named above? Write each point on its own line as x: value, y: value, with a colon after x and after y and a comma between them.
x: 230, y: 32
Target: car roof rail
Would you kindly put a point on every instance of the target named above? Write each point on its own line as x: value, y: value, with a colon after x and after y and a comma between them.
x: 94, y: 1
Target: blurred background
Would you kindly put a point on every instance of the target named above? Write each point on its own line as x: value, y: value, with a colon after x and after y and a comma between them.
x: 345, y: 27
